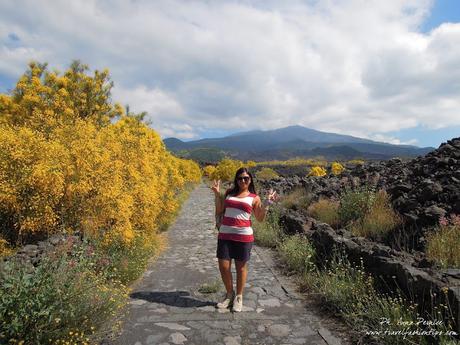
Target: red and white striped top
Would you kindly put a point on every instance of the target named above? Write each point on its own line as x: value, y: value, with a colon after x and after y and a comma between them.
x: 236, y: 223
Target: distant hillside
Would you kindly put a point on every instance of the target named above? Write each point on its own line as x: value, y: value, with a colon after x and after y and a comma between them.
x: 290, y: 142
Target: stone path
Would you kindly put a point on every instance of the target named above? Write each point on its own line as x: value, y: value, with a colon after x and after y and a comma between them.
x: 167, y: 308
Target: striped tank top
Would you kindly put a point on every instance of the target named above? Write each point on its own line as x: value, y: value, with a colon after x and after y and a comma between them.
x: 236, y: 223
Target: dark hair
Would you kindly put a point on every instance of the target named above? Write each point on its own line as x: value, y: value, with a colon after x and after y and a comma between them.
x: 235, y: 189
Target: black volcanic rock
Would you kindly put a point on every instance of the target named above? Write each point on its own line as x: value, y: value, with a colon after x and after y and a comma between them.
x: 422, y: 190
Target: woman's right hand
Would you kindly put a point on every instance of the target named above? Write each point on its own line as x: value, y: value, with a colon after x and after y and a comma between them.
x: 216, y: 187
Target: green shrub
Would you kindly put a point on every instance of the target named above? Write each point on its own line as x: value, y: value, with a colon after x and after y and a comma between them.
x: 268, y: 233
x: 127, y: 262
x: 355, y: 204
x: 65, y: 298
x: 443, y: 244
x: 298, y: 253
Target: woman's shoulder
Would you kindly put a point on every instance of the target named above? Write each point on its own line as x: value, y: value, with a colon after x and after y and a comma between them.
x: 227, y: 192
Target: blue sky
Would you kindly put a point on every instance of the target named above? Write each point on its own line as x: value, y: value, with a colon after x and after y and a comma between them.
x: 383, y: 70
x: 442, y: 11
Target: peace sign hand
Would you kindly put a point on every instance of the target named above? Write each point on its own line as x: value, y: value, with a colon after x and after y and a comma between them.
x: 271, y: 197
x: 216, y: 187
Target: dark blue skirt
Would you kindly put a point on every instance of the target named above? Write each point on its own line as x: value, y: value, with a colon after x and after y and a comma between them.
x: 227, y: 249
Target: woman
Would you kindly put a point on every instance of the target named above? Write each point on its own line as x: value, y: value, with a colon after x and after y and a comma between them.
x: 236, y: 237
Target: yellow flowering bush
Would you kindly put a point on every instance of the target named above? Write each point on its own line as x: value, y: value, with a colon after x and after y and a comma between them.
x: 250, y: 164
x: 32, y: 172
x: 337, y: 168
x: 226, y: 169
x: 66, y: 165
x: 317, y: 171
x: 4, y: 248
x: 209, y: 170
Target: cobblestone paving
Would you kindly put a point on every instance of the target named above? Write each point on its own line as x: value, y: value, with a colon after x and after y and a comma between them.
x: 167, y: 308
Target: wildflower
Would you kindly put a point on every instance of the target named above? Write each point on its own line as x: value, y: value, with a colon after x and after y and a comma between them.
x: 443, y: 221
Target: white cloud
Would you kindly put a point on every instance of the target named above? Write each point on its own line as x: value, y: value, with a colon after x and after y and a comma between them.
x: 13, y: 61
x: 393, y: 140
x: 349, y: 66
x: 159, y: 104
x: 164, y: 112
x: 181, y: 131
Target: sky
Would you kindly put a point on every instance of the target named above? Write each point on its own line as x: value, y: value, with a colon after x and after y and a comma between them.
x: 383, y: 70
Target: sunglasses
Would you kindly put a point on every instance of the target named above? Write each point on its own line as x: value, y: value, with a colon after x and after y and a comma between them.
x: 243, y: 178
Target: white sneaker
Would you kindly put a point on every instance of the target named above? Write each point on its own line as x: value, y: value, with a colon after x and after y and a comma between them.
x: 238, y: 303
x: 226, y: 302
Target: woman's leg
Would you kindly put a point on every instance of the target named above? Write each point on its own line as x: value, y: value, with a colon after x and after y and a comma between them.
x: 241, y: 275
x: 226, y: 274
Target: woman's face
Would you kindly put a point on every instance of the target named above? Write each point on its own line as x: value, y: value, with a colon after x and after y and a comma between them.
x: 243, y: 180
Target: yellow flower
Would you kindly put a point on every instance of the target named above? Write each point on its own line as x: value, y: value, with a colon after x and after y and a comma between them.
x: 317, y: 171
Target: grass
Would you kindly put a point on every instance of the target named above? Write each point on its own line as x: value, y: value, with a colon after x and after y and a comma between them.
x: 208, y: 288
x: 297, y: 252
x: 350, y: 292
x: 378, y: 221
x: 265, y: 174
x: 363, y: 211
x: 268, y: 233
x: 443, y: 245
x: 297, y: 199
x: 326, y: 211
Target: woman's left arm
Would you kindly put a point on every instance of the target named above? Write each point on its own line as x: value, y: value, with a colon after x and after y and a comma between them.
x: 260, y: 210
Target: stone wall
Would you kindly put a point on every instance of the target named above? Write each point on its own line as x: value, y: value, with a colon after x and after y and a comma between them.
x: 31, y: 254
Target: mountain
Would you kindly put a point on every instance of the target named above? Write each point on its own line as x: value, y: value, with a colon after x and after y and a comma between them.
x: 290, y: 142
